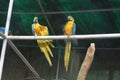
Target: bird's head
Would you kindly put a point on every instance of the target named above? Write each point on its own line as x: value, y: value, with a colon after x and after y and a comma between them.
x: 70, y: 18
x: 35, y: 20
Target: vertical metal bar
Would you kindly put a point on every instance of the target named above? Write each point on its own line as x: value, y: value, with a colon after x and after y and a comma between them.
x: 2, y: 57
x: 9, y: 17
x: 5, y: 40
x: 58, y: 65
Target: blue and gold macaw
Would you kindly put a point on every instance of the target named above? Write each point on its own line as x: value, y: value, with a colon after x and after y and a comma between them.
x: 69, y: 29
x: 44, y: 45
x: 2, y: 30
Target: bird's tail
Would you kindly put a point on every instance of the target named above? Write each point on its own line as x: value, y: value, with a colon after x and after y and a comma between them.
x: 44, y: 47
x: 67, y: 55
x: 48, y: 44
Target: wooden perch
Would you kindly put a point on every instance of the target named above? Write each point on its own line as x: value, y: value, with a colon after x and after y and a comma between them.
x: 87, y: 62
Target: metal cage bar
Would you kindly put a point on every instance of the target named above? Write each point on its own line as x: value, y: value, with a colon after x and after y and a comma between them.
x: 66, y: 12
x: 2, y: 58
x: 60, y: 37
x: 21, y: 57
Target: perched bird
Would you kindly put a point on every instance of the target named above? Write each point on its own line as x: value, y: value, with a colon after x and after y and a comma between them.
x: 2, y: 30
x: 44, y: 45
x: 69, y: 29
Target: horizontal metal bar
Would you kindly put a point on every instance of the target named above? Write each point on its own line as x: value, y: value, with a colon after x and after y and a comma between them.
x: 66, y: 12
x: 60, y: 37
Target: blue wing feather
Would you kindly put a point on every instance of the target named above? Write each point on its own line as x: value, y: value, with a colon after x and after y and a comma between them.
x: 74, y: 29
x: 33, y: 30
x: 2, y: 30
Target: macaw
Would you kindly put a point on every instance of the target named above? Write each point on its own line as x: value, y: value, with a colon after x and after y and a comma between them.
x: 44, y: 45
x: 69, y: 29
x: 2, y: 30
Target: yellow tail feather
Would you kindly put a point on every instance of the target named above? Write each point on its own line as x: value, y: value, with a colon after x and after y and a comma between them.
x: 43, y: 48
x: 48, y: 49
x: 47, y: 57
x: 51, y: 44
x: 67, y: 55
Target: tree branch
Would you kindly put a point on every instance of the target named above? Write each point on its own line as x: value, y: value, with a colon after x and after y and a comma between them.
x: 87, y: 62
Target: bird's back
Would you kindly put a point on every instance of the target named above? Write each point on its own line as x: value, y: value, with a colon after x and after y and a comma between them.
x: 40, y: 30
